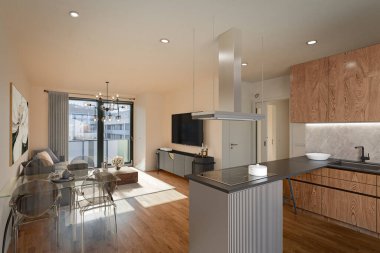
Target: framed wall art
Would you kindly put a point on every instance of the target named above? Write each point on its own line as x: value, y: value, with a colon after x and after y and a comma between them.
x: 19, y: 125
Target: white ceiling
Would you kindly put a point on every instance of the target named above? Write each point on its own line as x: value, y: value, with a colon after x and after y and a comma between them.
x: 118, y: 40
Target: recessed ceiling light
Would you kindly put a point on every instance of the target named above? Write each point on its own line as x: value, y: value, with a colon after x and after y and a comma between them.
x: 74, y: 14
x: 165, y: 41
x: 311, y: 42
x: 244, y: 64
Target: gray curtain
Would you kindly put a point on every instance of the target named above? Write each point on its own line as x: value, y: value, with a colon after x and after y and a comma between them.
x: 59, y: 123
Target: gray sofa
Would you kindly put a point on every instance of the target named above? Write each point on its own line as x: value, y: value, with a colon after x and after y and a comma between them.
x: 37, y: 166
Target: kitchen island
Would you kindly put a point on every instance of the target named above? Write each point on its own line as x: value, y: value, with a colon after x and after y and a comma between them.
x: 233, y: 212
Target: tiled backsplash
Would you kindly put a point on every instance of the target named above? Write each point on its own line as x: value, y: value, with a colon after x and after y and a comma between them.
x: 340, y: 139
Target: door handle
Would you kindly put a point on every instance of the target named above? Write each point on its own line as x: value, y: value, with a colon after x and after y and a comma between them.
x: 232, y: 145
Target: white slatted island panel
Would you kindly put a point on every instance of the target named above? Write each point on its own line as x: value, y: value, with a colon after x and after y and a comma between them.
x: 246, y: 221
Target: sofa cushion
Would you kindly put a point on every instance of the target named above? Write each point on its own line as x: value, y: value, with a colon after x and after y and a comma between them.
x: 50, y: 152
x: 45, y: 159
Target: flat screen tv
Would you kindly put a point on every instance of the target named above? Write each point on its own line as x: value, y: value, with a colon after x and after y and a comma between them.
x: 187, y: 131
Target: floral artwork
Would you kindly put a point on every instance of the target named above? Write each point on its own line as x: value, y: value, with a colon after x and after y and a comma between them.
x: 19, y: 125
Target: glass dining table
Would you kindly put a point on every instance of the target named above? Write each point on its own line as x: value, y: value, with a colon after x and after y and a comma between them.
x: 78, y: 178
x: 25, y: 186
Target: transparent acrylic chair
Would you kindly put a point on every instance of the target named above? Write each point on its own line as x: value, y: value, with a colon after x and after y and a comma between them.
x: 37, y: 166
x: 34, y: 201
x: 94, y: 193
x: 83, y: 160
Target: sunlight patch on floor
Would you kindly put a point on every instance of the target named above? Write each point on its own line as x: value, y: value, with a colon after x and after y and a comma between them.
x: 159, y: 198
x: 122, y: 206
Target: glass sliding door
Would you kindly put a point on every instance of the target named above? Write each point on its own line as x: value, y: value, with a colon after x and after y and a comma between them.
x: 98, y: 134
x: 83, y: 130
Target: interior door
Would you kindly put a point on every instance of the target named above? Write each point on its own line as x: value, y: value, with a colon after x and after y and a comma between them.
x: 240, y: 143
x: 273, y: 132
x: 237, y: 143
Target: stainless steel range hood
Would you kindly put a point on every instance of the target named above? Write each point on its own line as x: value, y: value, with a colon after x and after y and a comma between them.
x: 229, y: 81
x: 221, y: 115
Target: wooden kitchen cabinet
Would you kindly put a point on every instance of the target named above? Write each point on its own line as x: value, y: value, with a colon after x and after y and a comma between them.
x: 307, y: 196
x: 354, y: 86
x: 339, y: 88
x: 347, y: 196
x: 286, y: 188
x: 309, y: 92
x: 378, y: 215
x: 374, y: 83
x: 355, y: 209
x: 309, y: 177
x: 349, y: 86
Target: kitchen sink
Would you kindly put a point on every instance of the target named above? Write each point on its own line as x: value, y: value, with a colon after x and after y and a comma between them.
x: 355, y: 165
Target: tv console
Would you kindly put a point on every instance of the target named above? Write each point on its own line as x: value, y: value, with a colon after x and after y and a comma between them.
x: 183, y: 163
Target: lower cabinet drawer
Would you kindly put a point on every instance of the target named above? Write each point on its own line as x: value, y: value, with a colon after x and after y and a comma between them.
x: 352, y: 176
x: 308, y: 177
x: 307, y: 196
x: 351, y: 208
x: 350, y: 186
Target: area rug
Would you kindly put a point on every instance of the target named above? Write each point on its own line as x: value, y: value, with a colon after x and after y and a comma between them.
x: 149, y: 191
x: 146, y: 185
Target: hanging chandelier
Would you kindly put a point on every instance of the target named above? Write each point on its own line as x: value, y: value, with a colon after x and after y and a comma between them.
x: 107, y: 105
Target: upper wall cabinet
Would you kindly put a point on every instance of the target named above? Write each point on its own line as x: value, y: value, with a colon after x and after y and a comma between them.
x: 340, y: 88
x: 309, y: 92
x: 354, y: 86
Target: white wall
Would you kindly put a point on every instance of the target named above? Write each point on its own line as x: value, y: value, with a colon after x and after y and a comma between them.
x: 10, y: 71
x: 277, y: 89
x: 274, y: 89
x: 39, y: 118
x: 148, y: 130
x: 181, y: 101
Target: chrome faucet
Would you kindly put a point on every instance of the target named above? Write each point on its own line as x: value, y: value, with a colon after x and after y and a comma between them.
x: 363, y: 158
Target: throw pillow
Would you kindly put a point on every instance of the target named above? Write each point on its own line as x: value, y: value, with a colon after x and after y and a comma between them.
x: 45, y: 158
x: 51, y: 154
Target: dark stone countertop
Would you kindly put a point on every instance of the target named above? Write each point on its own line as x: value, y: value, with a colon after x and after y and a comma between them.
x: 282, y: 168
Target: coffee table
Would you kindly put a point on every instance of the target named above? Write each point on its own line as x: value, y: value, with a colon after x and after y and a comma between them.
x: 126, y: 175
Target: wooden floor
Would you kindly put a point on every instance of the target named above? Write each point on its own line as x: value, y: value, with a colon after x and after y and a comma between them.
x: 164, y: 228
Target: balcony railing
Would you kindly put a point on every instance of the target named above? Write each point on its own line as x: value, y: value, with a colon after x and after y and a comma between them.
x: 89, y: 148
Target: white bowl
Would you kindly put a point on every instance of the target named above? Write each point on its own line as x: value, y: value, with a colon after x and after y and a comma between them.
x: 318, y: 156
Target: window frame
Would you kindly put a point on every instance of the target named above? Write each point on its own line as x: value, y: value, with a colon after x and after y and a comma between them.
x: 101, y: 129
